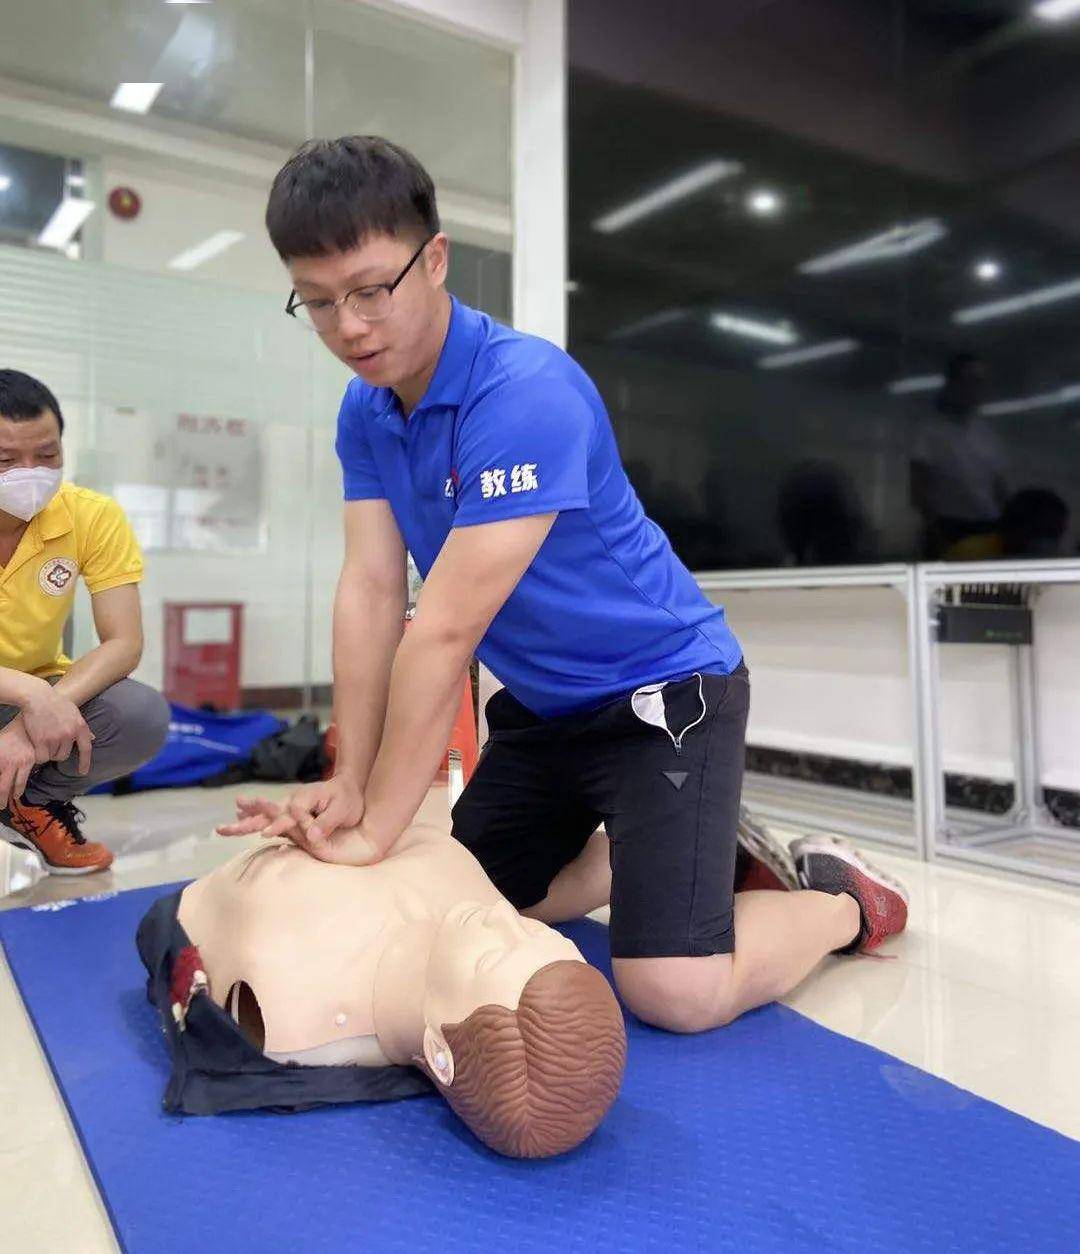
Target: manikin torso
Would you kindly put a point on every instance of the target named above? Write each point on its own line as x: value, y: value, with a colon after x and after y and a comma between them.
x: 307, y: 938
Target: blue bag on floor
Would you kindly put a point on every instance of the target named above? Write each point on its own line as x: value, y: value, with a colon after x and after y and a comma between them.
x: 200, y: 744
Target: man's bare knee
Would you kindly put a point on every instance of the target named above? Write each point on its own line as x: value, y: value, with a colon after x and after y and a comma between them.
x: 678, y: 994
x: 581, y: 886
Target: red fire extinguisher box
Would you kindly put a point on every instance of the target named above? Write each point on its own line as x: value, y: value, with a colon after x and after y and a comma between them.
x: 202, y: 653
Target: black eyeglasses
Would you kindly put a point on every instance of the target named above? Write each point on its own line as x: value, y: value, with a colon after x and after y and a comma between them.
x: 372, y: 303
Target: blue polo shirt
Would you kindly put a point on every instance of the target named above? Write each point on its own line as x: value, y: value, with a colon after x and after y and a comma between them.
x: 511, y: 426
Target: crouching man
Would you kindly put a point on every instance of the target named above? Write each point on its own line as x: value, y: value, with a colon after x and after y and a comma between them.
x: 65, y: 726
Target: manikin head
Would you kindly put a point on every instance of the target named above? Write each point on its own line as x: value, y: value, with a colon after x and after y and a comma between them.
x: 522, y: 1037
x: 346, y: 216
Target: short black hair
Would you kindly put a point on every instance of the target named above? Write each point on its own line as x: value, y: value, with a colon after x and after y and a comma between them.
x: 333, y: 193
x: 22, y: 398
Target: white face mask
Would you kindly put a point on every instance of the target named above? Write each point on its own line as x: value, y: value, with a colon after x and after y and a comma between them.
x: 26, y: 492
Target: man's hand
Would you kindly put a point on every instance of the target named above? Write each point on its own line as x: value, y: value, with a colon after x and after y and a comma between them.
x: 314, y: 811
x: 253, y: 814
x: 17, y: 759
x: 349, y: 846
x: 55, y: 726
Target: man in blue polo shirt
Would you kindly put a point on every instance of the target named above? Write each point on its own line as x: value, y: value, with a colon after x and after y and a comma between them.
x: 489, y: 456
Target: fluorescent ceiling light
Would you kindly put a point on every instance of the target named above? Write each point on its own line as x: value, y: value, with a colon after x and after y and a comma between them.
x: 685, y: 185
x: 916, y: 383
x: 650, y: 323
x: 764, y: 202
x: 1057, y: 10
x: 899, y: 241
x: 5, y: 182
x: 67, y: 217
x: 752, y: 329
x: 199, y: 254
x: 1017, y: 304
x: 814, y: 352
x: 1045, y: 400
x: 136, y: 97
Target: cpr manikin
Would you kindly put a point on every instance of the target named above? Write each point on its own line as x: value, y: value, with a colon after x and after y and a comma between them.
x: 414, y: 961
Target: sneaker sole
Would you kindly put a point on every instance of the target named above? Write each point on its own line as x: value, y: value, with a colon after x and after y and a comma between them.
x: 768, y: 851
x: 20, y: 842
x: 836, y: 847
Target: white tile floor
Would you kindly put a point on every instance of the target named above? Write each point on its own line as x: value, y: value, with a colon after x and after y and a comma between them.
x: 983, y: 990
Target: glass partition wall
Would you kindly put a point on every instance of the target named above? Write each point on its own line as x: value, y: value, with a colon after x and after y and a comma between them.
x: 825, y: 270
x: 136, y: 279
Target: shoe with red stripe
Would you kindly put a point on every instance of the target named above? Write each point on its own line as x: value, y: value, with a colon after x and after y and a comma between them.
x: 761, y: 862
x: 52, y: 831
x: 831, y: 865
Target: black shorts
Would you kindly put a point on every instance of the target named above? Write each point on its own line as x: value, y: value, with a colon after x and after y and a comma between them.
x: 661, y: 768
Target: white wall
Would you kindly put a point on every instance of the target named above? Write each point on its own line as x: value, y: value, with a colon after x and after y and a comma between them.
x: 830, y: 676
x: 497, y: 21
x: 540, y: 174
x: 181, y: 209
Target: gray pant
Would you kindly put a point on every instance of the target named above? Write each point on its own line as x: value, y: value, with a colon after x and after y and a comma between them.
x: 130, y: 723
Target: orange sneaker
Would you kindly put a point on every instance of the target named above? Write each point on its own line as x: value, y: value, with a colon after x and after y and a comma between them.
x: 52, y: 830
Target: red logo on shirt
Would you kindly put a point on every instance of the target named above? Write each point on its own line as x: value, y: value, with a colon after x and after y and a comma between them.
x: 56, y: 575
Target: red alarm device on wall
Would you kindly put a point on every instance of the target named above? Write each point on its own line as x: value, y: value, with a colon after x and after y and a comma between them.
x: 125, y: 202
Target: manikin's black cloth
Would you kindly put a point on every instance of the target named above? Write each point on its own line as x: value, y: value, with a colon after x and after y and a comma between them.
x: 215, y: 1069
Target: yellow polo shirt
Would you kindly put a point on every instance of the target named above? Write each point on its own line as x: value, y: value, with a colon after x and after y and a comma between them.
x: 78, y: 533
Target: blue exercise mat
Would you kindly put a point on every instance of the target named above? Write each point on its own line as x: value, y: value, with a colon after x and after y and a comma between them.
x: 771, y: 1134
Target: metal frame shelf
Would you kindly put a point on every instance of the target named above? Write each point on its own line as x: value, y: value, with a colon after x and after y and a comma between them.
x: 937, y: 832
x: 1029, y: 821
x: 862, y: 816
